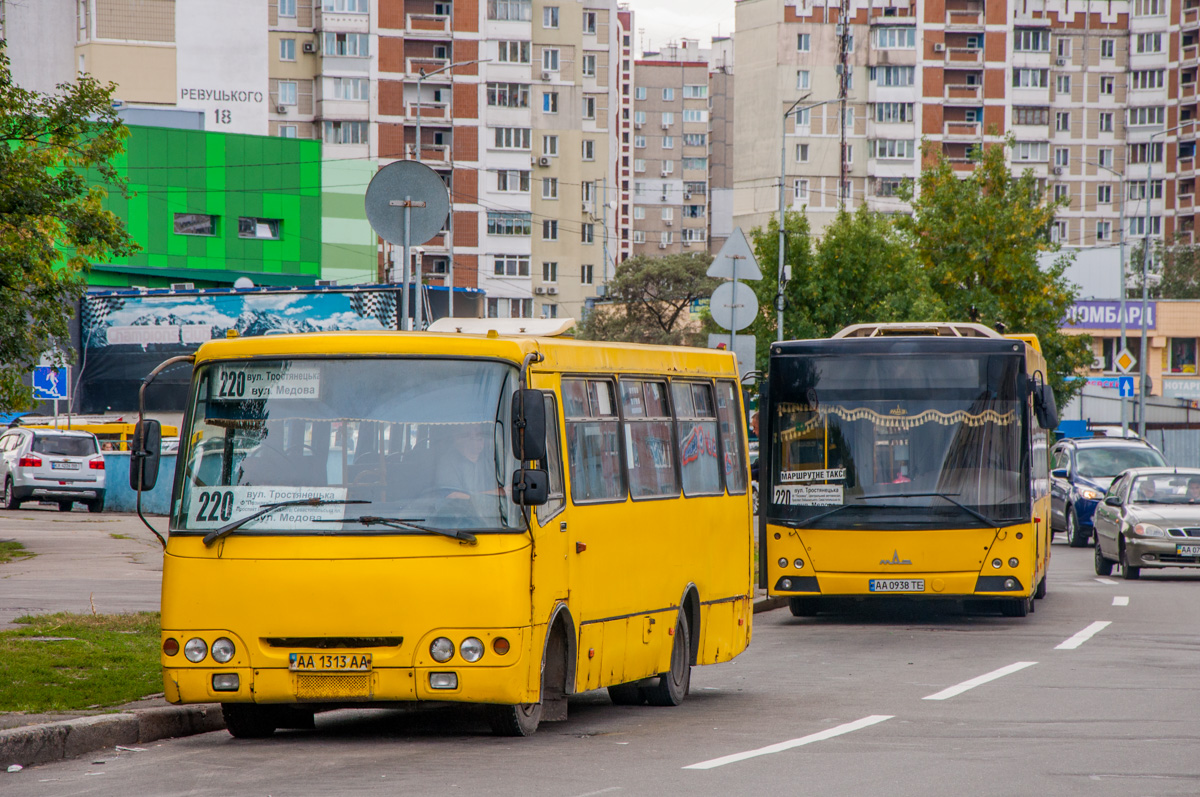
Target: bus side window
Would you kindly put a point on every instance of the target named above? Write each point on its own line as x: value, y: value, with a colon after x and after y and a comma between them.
x: 557, y: 497
x: 648, y: 444
x: 732, y: 448
x: 696, y: 422
x: 593, y: 454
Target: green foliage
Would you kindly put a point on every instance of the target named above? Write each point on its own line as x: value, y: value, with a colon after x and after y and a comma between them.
x: 649, y: 300
x: 978, y: 237
x: 1174, y: 271
x: 52, y: 222
x: 11, y: 549
x: 68, y: 662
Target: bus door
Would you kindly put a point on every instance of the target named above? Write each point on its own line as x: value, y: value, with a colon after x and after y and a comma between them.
x: 552, y: 559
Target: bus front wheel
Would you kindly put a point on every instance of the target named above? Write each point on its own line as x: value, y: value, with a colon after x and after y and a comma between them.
x: 673, y: 685
x: 248, y: 721
x: 804, y: 607
x: 519, y: 720
x: 1016, y: 607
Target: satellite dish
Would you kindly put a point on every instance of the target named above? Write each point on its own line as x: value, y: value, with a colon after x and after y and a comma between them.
x: 243, y: 282
x: 413, y: 182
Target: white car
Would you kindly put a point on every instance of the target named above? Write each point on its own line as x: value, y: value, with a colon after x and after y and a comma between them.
x: 52, y: 466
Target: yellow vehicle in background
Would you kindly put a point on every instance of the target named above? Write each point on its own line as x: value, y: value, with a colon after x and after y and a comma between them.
x: 368, y: 519
x: 114, y: 435
x: 909, y: 460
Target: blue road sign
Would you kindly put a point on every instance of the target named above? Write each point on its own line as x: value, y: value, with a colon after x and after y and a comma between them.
x: 49, y: 383
x: 1125, y: 386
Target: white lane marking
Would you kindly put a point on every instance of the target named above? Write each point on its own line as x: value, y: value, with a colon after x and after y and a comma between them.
x: 1106, y: 581
x: 1084, y: 635
x: 1120, y: 600
x: 945, y: 694
x: 609, y: 790
x: 830, y: 733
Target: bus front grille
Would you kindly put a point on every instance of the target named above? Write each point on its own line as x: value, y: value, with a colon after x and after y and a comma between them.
x: 343, y: 686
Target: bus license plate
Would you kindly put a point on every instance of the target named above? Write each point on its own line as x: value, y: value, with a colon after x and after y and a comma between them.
x: 897, y: 584
x: 1187, y: 550
x: 329, y: 662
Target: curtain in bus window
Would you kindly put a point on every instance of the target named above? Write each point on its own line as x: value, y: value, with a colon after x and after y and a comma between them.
x: 648, y: 444
x: 554, y: 489
x: 593, y: 456
x: 731, y: 437
x: 696, y: 422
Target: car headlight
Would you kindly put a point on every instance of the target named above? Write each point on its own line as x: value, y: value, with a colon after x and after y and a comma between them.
x: 1090, y: 494
x: 1148, y: 530
x: 441, y: 649
x: 223, y: 650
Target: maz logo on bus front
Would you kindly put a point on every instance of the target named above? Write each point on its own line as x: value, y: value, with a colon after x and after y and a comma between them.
x: 895, y: 560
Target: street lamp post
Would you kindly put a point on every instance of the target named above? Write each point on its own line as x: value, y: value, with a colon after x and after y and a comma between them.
x: 1147, y: 194
x: 421, y: 75
x: 782, y: 206
x: 1120, y: 232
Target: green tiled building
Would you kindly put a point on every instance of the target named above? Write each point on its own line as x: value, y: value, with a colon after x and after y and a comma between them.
x: 208, y: 208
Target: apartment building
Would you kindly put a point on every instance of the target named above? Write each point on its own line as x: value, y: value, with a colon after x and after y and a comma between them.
x: 1093, y: 93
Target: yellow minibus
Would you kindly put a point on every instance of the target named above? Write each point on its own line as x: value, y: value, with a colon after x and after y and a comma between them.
x: 373, y: 519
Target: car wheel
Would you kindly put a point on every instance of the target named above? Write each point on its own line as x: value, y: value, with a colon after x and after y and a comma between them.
x: 1077, y: 536
x: 96, y: 506
x: 10, y: 496
x: 1128, y: 572
x: 1104, y: 565
x: 65, y: 506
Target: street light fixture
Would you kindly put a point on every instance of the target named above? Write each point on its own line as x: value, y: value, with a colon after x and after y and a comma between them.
x: 783, y: 280
x: 1120, y: 232
x: 421, y: 75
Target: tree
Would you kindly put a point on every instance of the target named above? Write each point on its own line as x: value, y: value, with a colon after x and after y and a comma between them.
x: 650, y: 297
x: 1174, y: 270
x: 978, y: 236
x: 57, y: 150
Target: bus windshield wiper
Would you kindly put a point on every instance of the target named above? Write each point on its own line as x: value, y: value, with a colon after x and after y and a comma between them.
x: 963, y: 507
x: 266, y: 509
x: 809, y: 521
x: 405, y: 523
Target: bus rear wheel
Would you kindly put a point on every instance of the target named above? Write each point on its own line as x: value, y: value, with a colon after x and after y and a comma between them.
x: 673, y: 685
x: 249, y: 721
x: 626, y: 695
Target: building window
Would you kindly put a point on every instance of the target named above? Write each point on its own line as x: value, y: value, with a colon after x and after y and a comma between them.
x: 1183, y: 356
x: 549, y: 188
x: 287, y: 49
x: 699, y: 164
x: 893, y: 75
x: 512, y: 181
x: 346, y: 6
x: 1137, y: 225
x: 1152, y: 115
x: 350, y: 88
x: 514, y: 10
x: 893, y: 149
x: 1062, y: 192
x: 511, y: 265
x: 1143, y: 153
x: 639, y: 165
x: 668, y: 94
x: 893, y: 112
x: 640, y: 93
x: 1146, y: 79
x: 896, y: 38
x: 512, y: 138
x: 550, y: 59
x: 589, y: 23
x: 587, y: 233
x: 586, y: 274
x: 589, y: 66
x: 549, y: 272
x: 803, y: 42
x: 1031, y: 151
x: 589, y: 107
x: 1064, y: 47
x: 550, y: 102
x: 639, y: 212
x: 1031, y: 78
x: 589, y: 149
x: 1108, y: 85
x: 1103, y: 231
x: 1106, y: 122
x: 800, y: 191
x: 195, y: 224
x: 1105, y: 157
x: 356, y: 45
x: 513, y: 52
x: 549, y: 229
x: 287, y: 131
x: 262, y: 229
x: 1062, y: 84
x: 1149, y: 8
x: 691, y: 115
x: 550, y: 17
x: 1062, y: 157
x: 1023, y: 115
x: 639, y: 236
x: 668, y: 142
x: 668, y: 119
x: 346, y: 133
x: 1108, y: 48
x: 1104, y: 195
x: 287, y: 8
x: 1058, y: 232
x: 1137, y: 189
x: 802, y: 79
x: 695, y: 92
x: 1062, y: 121
x: 287, y: 92
x: 802, y: 153
x: 695, y: 139
x: 514, y: 224
x: 508, y: 95
x: 1147, y: 43
x: 639, y: 118
x: 1031, y: 40
x: 550, y: 146
x: 668, y: 167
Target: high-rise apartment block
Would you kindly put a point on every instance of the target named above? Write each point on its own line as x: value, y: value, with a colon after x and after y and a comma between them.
x: 1093, y: 93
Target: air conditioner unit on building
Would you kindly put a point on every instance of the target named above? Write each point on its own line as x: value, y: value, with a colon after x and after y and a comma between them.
x: 666, y: 125
x: 1098, y: 363
x: 668, y: 222
x: 280, y: 109
x: 309, y: 47
x: 664, y: 197
x: 664, y: 173
x: 687, y: 197
x: 938, y: 47
x: 545, y: 76
x: 662, y: 244
x: 637, y: 125
x: 539, y: 290
x: 1058, y: 169
x: 544, y: 161
x: 1062, y: 62
x: 550, y: 289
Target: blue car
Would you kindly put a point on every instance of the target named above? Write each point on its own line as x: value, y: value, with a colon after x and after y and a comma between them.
x: 1083, y: 468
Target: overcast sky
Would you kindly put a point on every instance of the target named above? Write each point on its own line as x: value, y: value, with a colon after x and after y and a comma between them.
x: 657, y: 23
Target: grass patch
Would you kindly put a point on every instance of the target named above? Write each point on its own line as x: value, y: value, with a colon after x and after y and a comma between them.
x: 11, y: 549
x: 93, y: 661
x: 120, y: 536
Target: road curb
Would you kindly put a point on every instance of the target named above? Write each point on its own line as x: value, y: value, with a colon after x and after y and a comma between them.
x: 769, y: 604
x: 55, y: 741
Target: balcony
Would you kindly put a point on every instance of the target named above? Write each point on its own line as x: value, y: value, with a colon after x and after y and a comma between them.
x: 964, y: 19
x: 413, y: 66
x: 430, y: 153
x: 963, y: 55
x: 1185, y: 168
x: 435, y: 111
x: 964, y: 92
x: 419, y: 26
x: 1190, y: 18
x: 1188, y: 54
x: 1187, y: 91
x: 962, y: 130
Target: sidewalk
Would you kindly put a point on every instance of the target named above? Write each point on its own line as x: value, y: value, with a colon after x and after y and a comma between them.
x: 28, y: 739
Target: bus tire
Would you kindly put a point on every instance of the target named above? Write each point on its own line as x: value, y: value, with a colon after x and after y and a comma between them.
x: 1104, y: 565
x: 804, y: 607
x: 1015, y: 607
x: 519, y: 720
x: 1040, y: 592
x: 248, y: 721
x: 673, y: 684
x: 626, y: 695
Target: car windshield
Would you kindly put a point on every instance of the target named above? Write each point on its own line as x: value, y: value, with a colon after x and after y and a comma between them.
x: 64, y: 445
x: 1105, y: 463
x: 419, y: 439
x: 1166, y: 488
x: 898, y: 441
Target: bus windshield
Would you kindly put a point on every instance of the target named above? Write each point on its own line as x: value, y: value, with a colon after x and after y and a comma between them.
x: 423, y: 442
x: 898, y: 442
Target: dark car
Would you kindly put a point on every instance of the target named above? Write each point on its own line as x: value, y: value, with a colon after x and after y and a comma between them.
x: 1150, y: 518
x: 1083, y: 469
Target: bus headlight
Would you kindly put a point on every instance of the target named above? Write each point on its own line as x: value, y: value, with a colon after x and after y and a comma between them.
x: 783, y: 561
x: 471, y: 649
x: 223, y: 650
x: 195, y: 650
x: 799, y: 564
x: 996, y: 563
x: 1011, y: 563
x: 441, y: 649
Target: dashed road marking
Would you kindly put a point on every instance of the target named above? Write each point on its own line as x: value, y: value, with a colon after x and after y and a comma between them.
x: 1085, y: 634
x: 958, y: 689
x: 830, y: 733
x: 1107, y: 581
x: 1120, y: 600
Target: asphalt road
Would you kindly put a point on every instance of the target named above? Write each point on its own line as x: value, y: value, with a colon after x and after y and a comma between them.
x: 899, y: 700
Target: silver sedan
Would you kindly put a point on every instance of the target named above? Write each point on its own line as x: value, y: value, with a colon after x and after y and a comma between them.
x: 1150, y: 517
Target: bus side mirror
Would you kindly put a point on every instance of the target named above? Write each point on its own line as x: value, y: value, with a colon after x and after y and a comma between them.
x: 144, y: 454
x: 528, y: 425
x: 530, y: 486
x: 1044, y: 407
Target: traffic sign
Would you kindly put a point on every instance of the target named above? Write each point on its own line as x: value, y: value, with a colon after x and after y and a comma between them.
x: 414, y: 184
x: 1125, y: 386
x: 733, y: 305
x: 1125, y: 361
x: 735, y: 254
x: 49, y: 383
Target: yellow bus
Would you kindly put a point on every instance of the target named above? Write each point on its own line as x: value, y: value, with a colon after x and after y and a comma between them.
x: 909, y: 460
x: 114, y: 435
x: 355, y: 522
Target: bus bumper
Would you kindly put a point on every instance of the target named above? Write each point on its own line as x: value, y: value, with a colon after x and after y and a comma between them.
x: 908, y: 585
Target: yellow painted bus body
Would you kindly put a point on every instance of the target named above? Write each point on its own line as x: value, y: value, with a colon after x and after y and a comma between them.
x: 614, y: 575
